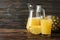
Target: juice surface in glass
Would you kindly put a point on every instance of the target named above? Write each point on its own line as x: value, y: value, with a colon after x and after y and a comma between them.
x: 33, y: 25
x: 46, y: 26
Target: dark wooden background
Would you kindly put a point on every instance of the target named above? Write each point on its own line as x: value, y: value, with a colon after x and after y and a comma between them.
x: 14, y: 13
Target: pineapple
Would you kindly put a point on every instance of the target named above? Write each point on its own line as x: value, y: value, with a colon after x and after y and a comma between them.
x: 56, y: 21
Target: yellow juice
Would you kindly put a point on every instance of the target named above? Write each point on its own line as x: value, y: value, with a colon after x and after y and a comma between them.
x: 46, y: 25
x: 33, y: 25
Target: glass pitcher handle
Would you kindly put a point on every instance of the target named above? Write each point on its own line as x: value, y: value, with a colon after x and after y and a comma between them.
x: 43, y: 13
x: 39, y: 10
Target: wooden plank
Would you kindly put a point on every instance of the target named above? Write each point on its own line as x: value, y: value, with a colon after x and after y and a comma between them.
x: 16, y: 16
x: 22, y: 34
x: 12, y: 30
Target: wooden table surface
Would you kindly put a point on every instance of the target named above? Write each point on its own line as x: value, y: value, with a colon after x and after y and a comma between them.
x: 22, y: 34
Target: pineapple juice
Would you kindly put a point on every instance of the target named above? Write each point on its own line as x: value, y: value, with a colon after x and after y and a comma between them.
x: 33, y: 25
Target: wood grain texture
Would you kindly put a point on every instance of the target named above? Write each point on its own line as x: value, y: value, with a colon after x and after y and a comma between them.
x: 14, y: 13
x: 22, y: 34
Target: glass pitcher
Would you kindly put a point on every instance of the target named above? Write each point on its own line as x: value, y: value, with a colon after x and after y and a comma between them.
x: 33, y: 23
